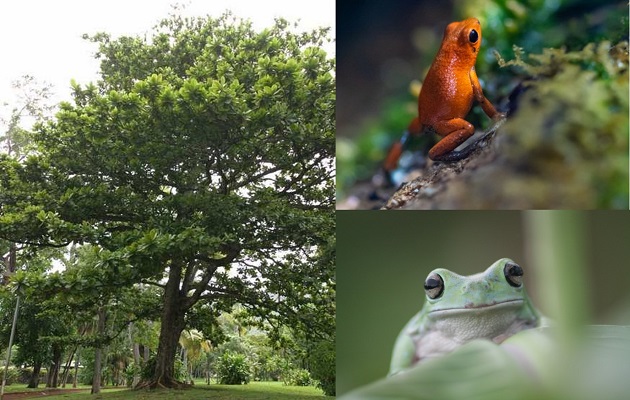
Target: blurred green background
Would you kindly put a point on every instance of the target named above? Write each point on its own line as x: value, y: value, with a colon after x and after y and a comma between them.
x: 383, y: 259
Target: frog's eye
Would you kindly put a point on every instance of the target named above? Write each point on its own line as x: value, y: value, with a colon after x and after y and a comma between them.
x: 473, y: 36
x: 434, y: 286
x: 513, y: 274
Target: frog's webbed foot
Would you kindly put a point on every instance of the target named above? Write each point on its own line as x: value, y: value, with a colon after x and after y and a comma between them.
x: 465, y: 152
x: 468, y: 150
x: 456, y: 155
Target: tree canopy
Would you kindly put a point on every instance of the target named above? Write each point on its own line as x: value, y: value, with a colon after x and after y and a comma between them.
x: 202, y: 162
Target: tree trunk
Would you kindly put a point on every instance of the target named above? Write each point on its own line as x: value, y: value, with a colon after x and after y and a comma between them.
x: 136, y: 361
x: 146, y: 353
x: 136, y: 357
x: 66, y: 370
x: 53, y: 371
x: 207, y: 369
x: 12, y: 257
x: 171, y: 328
x: 185, y: 360
x: 98, y: 353
x: 76, y: 371
x: 33, y: 382
x: 136, y: 353
x: 96, y: 378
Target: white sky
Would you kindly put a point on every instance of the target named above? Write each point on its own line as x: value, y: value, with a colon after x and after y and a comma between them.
x: 43, y: 38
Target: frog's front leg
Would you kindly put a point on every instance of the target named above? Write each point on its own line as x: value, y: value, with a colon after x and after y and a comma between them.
x: 404, y: 355
x: 455, y: 132
x: 486, y: 106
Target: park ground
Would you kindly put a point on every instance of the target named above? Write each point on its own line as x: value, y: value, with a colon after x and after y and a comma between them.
x: 253, y: 390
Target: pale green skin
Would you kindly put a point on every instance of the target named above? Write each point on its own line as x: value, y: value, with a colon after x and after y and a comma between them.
x: 479, y: 306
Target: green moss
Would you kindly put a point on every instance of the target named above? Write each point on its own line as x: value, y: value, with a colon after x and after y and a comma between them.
x: 571, y: 125
x: 538, y: 24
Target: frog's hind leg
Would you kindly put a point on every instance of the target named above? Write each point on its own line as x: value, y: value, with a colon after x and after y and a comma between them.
x: 455, y: 132
x: 393, y: 155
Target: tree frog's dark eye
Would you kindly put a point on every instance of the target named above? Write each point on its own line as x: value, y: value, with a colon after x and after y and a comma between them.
x: 513, y: 274
x: 473, y: 36
x: 434, y: 286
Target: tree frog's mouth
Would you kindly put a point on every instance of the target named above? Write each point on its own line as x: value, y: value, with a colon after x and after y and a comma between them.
x: 484, y: 306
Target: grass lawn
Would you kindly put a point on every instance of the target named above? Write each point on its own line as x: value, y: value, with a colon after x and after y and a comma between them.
x: 21, y: 387
x: 254, y: 390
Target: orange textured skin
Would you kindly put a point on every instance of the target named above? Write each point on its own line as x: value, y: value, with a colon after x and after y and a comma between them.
x: 449, y: 90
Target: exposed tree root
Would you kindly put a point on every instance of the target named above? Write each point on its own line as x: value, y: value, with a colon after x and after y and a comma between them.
x: 161, y: 383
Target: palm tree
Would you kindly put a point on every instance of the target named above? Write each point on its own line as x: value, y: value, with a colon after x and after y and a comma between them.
x: 193, y: 346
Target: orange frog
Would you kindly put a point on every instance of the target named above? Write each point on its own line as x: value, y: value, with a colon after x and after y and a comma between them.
x: 447, y: 95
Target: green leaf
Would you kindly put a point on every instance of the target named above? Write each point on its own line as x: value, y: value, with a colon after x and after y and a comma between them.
x: 526, y: 366
x: 477, y: 370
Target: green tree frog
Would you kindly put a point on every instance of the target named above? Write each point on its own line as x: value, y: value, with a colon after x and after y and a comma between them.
x: 492, y: 305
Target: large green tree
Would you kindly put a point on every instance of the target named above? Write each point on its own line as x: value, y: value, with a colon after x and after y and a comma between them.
x: 201, y: 162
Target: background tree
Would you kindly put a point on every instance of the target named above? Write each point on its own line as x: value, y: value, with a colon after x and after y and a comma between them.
x: 201, y: 163
x: 35, y: 321
x: 32, y: 104
x: 78, y: 307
